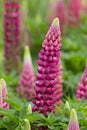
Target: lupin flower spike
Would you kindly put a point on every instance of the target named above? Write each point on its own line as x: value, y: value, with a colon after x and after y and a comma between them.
x: 26, y: 83
x: 3, y: 94
x: 82, y: 86
x: 46, y: 79
x: 73, y: 123
x: 11, y: 35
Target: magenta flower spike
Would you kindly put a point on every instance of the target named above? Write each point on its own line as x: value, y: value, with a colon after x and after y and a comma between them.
x: 73, y: 123
x: 46, y: 79
x: 11, y: 35
x: 74, y: 10
x: 82, y: 86
x: 3, y: 94
x: 61, y: 13
x: 26, y: 83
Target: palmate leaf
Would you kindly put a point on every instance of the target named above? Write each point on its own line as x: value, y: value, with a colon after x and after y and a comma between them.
x: 51, y: 116
x: 6, y: 122
x: 63, y: 125
x: 10, y: 114
x: 11, y: 126
x: 23, y: 113
x: 3, y: 123
x: 14, y: 102
x: 51, y: 122
x: 36, y: 117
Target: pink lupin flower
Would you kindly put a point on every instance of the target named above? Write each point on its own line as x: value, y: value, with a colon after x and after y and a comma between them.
x: 74, y: 10
x: 11, y: 35
x: 73, y: 123
x: 46, y: 79
x: 82, y: 86
x: 26, y: 83
x: 3, y: 94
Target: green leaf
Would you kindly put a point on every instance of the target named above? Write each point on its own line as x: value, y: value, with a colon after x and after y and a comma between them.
x: 14, y: 102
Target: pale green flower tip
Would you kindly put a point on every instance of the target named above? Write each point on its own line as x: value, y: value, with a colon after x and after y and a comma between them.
x: 26, y: 50
x: 27, y: 125
x: 73, y: 116
x: 2, y: 83
x: 67, y: 105
x: 26, y: 53
x: 29, y: 110
x: 26, y: 120
x: 55, y: 22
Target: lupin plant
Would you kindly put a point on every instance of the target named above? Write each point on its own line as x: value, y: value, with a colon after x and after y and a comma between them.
x: 46, y: 79
x: 74, y: 10
x: 11, y: 35
x: 82, y: 86
x: 3, y: 94
x: 73, y: 123
x: 26, y: 83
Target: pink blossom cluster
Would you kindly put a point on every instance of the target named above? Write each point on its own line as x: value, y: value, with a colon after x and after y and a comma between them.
x: 3, y: 94
x: 26, y: 82
x: 47, y: 76
x: 82, y: 86
x: 73, y: 122
x: 11, y: 35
